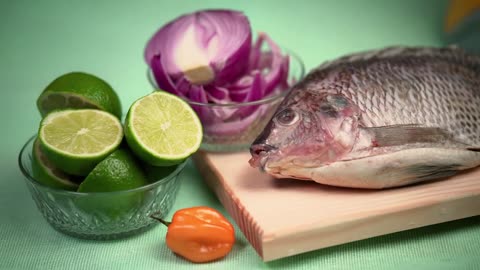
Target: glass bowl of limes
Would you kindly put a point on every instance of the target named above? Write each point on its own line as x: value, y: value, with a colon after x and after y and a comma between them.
x: 105, y: 214
x: 95, y: 174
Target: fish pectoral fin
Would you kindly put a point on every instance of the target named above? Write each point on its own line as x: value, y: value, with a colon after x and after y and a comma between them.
x: 408, y: 134
x: 426, y: 172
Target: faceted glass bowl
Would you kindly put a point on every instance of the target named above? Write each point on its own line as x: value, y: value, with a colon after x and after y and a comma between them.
x: 102, y: 215
x: 224, y: 134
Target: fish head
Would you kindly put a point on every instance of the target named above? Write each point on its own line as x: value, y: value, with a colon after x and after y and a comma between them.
x: 309, y: 129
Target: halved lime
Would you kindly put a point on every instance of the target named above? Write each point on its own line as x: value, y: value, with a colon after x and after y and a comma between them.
x: 46, y: 173
x: 75, y: 141
x: 77, y: 90
x: 162, y: 129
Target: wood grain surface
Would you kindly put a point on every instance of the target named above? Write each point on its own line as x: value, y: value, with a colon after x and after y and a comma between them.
x: 284, y: 217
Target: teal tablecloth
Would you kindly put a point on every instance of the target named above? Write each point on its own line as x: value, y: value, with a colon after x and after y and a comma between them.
x: 40, y: 40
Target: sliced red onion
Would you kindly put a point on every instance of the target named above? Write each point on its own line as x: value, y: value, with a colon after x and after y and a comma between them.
x: 234, y: 39
x: 274, y: 76
x: 234, y: 113
x: 233, y: 128
x: 197, y: 93
x: 206, y: 46
x: 239, y: 96
x: 207, y: 57
x: 161, y: 77
x: 255, y: 53
x: 217, y: 94
x: 265, y: 60
x: 255, y: 93
x: 183, y: 87
x: 256, y: 88
x: 164, y: 40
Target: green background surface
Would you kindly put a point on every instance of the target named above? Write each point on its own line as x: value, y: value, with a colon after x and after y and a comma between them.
x: 41, y: 40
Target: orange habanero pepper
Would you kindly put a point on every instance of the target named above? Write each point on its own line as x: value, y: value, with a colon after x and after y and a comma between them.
x: 199, y: 234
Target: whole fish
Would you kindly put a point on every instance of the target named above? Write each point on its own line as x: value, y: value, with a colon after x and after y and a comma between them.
x: 377, y: 119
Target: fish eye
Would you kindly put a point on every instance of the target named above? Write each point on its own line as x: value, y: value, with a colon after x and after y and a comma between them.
x: 287, y: 117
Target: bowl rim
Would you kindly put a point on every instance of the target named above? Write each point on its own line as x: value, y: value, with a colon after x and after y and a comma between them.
x: 32, y: 180
x: 291, y: 54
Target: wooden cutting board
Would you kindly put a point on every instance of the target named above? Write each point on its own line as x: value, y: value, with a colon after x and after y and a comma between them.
x: 284, y: 217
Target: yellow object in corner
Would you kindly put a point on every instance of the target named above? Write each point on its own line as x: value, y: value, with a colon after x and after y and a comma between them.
x: 459, y: 10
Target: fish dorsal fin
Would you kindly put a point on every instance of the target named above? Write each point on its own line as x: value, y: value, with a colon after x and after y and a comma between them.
x: 450, y: 52
x: 409, y: 134
x: 365, y: 55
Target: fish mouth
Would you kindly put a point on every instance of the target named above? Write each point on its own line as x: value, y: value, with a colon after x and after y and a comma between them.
x: 260, y: 155
x: 268, y: 164
x: 283, y: 167
x: 259, y: 161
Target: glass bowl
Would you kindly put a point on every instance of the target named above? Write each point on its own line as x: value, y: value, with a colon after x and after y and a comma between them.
x: 101, y: 215
x: 222, y: 133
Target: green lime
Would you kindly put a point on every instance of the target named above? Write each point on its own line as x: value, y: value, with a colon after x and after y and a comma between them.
x: 162, y: 129
x: 118, y: 171
x: 75, y: 141
x: 77, y: 90
x: 46, y: 173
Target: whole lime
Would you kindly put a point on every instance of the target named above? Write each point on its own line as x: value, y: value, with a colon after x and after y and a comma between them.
x: 118, y: 172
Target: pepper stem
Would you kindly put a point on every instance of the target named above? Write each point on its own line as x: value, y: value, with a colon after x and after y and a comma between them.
x: 166, y: 223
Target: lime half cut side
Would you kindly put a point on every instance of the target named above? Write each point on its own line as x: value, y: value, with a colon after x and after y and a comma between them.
x: 46, y: 173
x: 75, y: 141
x: 162, y: 129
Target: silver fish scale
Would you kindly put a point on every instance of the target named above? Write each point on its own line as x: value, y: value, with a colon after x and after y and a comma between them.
x: 430, y: 87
